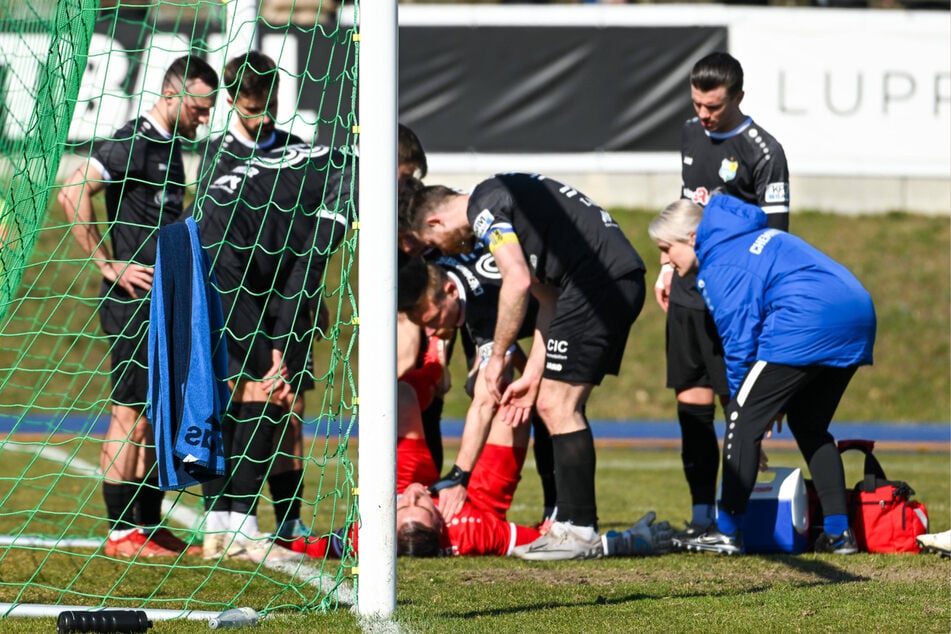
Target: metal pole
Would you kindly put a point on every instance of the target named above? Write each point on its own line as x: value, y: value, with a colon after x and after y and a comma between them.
x: 377, y: 114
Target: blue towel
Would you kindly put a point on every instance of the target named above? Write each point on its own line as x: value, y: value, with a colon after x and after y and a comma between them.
x: 188, y: 364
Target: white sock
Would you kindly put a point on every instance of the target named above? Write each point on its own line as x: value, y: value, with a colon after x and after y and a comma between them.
x: 243, y: 524
x: 117, y: 535
x: 217, y: 521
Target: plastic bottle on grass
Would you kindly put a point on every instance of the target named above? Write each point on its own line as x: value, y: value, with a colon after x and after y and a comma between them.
x: 235, y: 617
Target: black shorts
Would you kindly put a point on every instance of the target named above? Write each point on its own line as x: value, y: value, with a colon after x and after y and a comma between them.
x: 588, y: 332
x: 126, y: 321
x: 694, y: 351
x: 250, y: 346
x: 299, y: 358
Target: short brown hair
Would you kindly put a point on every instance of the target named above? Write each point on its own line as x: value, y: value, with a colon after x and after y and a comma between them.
x: 417, y: 201
x: 715, y: 70
x: 418, y: 280
x: 251, y: 74
x: 188, y: 68
x: 411, y: 151
x: 417, y: 540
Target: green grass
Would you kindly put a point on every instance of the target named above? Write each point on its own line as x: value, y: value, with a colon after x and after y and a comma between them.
x: 53, y: 359
x: 673, y: 593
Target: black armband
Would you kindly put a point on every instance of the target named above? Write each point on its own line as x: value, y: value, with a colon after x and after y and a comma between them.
x: 456, y: 476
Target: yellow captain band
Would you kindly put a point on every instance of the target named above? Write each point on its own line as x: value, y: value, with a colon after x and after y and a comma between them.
x: 497, y: 238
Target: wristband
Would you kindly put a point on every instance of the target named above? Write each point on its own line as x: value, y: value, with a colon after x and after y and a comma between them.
x: 456, y: 476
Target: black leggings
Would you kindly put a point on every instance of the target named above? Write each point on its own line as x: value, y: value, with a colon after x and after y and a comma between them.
x: 809, y: 397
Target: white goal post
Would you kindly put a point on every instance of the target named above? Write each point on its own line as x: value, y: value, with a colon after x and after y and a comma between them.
x: 377, y: 114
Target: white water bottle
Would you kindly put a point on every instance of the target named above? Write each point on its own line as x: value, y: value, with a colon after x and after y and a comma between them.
x: 235, y: 617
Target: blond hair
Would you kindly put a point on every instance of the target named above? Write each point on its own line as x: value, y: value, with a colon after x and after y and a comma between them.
x: 676, y: 222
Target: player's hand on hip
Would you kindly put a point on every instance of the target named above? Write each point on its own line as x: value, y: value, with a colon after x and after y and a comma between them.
x: 128, y: 276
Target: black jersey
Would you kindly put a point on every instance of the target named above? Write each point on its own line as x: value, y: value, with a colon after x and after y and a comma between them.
x: 477, y: 277
x: 270, y: 225
x: 226, y: 151
x: 563, y: 234
x: 145, y: 177
x: 748, y: 163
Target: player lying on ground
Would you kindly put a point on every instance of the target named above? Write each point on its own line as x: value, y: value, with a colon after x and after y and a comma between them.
x: 795, y: 327
x: 481, y: 527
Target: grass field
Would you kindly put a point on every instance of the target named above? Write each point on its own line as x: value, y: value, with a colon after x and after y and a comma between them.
x: 674, y: 593
x: 53, y: 359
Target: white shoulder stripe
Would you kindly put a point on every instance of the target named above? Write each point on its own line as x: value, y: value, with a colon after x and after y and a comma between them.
x: 330, y: 215
x: 106, y: 176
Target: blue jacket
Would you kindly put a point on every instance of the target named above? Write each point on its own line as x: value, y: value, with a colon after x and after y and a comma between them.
x: 188, y: 363
x: 774, y: 297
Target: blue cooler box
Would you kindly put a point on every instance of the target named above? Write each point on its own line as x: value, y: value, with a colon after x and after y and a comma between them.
x: 777, y: 518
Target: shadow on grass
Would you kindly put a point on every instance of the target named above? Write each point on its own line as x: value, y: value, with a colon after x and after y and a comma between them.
x: 826, y: 571
x: 811, y: 573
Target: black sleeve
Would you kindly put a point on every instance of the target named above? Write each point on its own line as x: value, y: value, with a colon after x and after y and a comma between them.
x: 327, y: 230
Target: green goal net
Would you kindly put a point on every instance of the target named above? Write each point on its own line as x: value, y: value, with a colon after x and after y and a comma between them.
x: 72, y: 72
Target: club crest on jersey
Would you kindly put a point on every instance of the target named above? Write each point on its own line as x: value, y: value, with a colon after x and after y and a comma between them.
x: 728, y: 169
x: 482, y: 223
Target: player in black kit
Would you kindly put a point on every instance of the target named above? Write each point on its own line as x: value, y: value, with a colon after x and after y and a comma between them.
x: 141, y: 171
x: 252, y: 82
x: 550, y: 241
x: 270, y: 225
x: 462, y: 292
x: 722, y: 149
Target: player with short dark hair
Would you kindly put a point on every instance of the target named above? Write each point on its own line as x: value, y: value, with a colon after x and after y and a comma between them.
x: 411, y: 158
x: 141, y: 171
x: 795, y: 327
x: 722, y: 150
x: 270, y: 225
x: 461, y: 292
x: 550, y: 241
x: 252, y: 81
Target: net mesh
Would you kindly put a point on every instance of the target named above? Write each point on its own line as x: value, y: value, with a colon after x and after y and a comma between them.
x: 72, y: 71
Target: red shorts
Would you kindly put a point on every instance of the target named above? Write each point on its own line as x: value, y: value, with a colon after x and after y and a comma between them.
x: 495, y: 478
x: 414, y: 463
